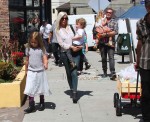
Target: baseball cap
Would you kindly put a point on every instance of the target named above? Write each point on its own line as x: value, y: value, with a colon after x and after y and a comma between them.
x: 147, y: 2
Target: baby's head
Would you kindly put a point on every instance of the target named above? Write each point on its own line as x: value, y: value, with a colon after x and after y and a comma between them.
x: 81, y: 23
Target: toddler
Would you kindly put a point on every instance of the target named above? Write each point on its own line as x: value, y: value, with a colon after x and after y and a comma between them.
x: 78, y: 39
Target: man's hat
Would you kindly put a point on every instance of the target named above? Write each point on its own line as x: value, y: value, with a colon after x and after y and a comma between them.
x: 147, y: 2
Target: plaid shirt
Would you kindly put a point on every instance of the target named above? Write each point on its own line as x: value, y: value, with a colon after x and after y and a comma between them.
x: 143, y: 34
x: 113, y: 25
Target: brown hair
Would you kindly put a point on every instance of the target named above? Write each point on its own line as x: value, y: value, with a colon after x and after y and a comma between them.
x: 37, y: 36
x: 109, y: 9
x: 82, y: 21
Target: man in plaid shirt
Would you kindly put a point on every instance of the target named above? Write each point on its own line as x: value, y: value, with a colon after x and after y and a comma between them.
x: 106, y: 48
x: 143, y: 60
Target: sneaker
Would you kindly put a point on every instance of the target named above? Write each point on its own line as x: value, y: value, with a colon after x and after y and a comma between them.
x: 113, y: 77
x: 87, y: 66
x: 104, y: 75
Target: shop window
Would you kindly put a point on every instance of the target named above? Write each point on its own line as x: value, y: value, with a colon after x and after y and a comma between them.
x: 16, y: 2
x: 17, y: 30
x: 33, y: 21
x: 36, y: 3
x: 28, y: 2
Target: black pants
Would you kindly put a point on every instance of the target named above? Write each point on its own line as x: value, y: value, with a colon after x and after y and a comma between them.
x: 104, y: 50
x: 145, y: 101
x: 46, y: 44
x: 82, y: 60
x: 56, y: 51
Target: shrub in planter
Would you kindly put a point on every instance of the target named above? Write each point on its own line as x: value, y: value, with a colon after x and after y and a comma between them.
x: 17, y: 58
x: 8, y: 72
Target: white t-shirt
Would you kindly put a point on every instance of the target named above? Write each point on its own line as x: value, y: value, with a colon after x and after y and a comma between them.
x: 45, y: 30
x: 79, y: 32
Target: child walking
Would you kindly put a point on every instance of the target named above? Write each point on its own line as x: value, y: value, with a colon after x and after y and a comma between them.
x: 36, y: 64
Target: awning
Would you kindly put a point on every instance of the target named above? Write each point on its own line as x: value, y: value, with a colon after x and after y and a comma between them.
x: 64, y: 6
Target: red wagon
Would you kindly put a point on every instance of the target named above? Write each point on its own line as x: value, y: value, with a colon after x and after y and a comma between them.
x: 126, y: 90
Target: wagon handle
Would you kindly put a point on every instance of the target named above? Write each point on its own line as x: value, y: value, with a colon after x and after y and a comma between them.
x: 138, y: 72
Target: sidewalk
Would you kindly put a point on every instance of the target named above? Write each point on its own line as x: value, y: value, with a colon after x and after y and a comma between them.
x: 95, y: 95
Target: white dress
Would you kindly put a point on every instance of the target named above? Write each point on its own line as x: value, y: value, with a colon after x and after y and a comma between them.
x: 36, y: 81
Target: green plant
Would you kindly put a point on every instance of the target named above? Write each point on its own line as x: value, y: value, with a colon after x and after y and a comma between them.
x: 8, y: 72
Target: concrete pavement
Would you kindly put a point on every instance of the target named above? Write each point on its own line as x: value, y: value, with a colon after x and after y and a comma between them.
x: 95, y: 94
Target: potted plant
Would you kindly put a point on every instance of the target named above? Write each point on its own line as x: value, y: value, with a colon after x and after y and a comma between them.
x: 12, y: 77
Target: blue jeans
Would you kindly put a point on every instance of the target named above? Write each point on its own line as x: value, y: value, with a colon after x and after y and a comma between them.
x: 71, y: 74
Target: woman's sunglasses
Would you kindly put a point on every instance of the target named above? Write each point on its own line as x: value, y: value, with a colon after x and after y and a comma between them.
x: 64, y: 18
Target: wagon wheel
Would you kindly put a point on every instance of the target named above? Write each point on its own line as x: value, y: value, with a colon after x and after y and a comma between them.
x: 118, y: 108
x: 116, y: 97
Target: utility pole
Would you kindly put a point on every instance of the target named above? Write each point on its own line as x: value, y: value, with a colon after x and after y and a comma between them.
x: 98, y: 5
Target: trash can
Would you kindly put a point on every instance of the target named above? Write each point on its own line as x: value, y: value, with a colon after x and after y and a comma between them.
x: 123, y: 44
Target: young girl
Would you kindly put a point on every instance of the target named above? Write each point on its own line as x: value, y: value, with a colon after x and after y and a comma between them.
x: 101, y: 27
x: 36, y: 63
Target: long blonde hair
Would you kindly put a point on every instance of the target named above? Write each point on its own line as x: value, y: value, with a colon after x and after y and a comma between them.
x: 37, y: 36
x: 100, y: 15
x: 60, y: 15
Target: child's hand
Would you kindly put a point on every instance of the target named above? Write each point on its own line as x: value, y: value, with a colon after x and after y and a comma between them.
x: 46, y: 66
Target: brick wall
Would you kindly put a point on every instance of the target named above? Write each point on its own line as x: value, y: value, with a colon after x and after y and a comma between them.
x: 4, y: 20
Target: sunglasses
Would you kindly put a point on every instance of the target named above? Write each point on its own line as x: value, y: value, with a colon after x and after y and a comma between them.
x: 109, y: 12
x: 64, y: 18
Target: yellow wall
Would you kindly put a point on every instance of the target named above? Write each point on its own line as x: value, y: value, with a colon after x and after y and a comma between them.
x: 11, y: 94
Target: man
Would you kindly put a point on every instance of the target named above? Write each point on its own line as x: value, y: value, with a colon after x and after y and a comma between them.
x: 55, y: 45
x: 45, y: 32
x: 143, y: 60
x: 104, y: 46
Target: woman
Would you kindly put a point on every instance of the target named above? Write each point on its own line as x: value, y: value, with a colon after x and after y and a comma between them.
x: 64, y: 36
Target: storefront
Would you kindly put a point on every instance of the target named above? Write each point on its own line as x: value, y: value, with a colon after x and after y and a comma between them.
x: 18, y: 16
x: 25, y: 14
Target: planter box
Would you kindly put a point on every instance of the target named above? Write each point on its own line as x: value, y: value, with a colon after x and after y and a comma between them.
x: 11, y: 94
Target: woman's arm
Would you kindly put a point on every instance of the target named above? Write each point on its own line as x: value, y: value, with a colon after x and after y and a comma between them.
x: 76, y: 48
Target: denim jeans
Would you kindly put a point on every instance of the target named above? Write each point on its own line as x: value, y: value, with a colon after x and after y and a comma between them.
x: 145, y: 101
x: 71, y: 74
x: 104, y: 50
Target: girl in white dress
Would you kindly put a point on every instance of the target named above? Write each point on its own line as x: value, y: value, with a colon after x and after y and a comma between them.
x: 36, y: 64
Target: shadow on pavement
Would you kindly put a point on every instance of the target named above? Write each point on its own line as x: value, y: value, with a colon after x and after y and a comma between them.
x: 79, y: 93
x: 133, y: 110
x: 50, y: 105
